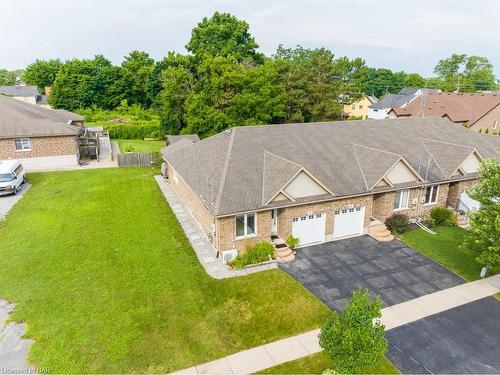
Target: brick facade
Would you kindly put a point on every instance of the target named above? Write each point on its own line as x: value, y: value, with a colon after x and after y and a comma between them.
x: 226, y: 232
x: 192, y: 202
x: 40, y: 147
x: 488, y: 121
x: 455, y: 190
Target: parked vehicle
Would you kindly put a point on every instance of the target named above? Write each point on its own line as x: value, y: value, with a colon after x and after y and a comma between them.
x: 12, y: 176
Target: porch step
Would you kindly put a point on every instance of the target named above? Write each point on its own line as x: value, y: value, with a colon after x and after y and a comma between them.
x: 380, y: 233
x: 284, y: 254
x: 281, y: 245
x: 462, y: 221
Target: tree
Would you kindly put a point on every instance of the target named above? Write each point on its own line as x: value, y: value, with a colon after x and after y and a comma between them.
x: 135, y: 70
x: 352, y: 339
x: 483, y: 236
x: 414, y: 80
x: 380, y: 82
x: 84, y: 83
x: 42, y: 73
x: 463, y: 73
x: 9, y: 78
x: 223, y: 35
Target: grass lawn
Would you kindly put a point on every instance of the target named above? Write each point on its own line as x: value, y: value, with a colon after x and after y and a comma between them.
x: 317, y: 363
x: 444, y: 249
x: 107, y: 282
x: 139, y: 145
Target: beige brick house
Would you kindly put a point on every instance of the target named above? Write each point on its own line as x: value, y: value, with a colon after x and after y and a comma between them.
x: 322, y: 181
x: 40, y: 138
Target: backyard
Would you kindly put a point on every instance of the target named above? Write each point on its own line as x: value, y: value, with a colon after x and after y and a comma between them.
x: 139, y: 145
x: 106, y: 281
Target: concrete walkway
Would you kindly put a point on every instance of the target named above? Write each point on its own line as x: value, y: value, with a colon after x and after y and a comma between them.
x: 206, y: 253
x: 8, y: 201
x: 13, y: 349
x: 291, y: 348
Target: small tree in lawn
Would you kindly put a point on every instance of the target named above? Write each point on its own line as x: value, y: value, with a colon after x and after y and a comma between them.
x: 352, y: 339
x: 483, y: 237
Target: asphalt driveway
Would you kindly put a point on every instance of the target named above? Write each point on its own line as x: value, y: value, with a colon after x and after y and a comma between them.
x: 333, y: 270
x: 463, y: 340
x: 8, y: 201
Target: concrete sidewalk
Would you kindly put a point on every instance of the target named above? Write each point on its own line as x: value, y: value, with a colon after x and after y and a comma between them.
x: 295, y: 347
x: 206, y: 253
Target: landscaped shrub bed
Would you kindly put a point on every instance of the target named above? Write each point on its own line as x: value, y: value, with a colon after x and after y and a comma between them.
x: 260, y: 252
x: 440, y: 215
x: 397, y: 223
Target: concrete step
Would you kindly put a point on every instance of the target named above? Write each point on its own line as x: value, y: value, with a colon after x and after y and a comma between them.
x: 283, y: 252
x: 380, y: 228
x: 380, y: 233
x: 287, y: 259
x: 387, y: 238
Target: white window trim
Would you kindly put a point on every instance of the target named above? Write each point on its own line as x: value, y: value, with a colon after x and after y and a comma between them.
x: 245, y: 226
x: 23, y: 149
x: 495, y: 123
x: 437, y: 195
x: 406, y: 207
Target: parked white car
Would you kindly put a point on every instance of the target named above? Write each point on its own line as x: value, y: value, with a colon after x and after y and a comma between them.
x: 12, y: 176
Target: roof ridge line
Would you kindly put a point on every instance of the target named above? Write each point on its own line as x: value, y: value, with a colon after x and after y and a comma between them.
x: 446, y: 143
x: 432, y: 157
x: 359, y: 165
x: 376, y: 149
x: 224, y: 173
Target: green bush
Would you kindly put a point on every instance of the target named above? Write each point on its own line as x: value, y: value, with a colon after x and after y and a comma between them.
x: 443, y: 216
x: 292, y: 242
x: 260, y: 252
x: 397, y: 223
x: 124, y: 131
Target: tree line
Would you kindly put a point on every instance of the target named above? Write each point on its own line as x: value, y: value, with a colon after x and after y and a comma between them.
x: 224, y: 81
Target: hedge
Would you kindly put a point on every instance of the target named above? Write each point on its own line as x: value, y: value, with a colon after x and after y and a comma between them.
x: 124, y: 131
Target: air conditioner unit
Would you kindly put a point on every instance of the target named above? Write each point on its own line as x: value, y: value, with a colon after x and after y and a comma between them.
x: 229, y: 255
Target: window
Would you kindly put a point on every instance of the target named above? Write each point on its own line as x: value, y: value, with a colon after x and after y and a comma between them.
x: 175, y: 177
x: 401, y: 199
x: 431, y: 194
x: 353, y: 107
x: 495, y: 123
x: 245, y: 225
x: 22, y: 144
x: 361, y: 106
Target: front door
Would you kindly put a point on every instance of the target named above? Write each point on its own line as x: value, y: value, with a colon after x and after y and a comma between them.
x: 274, y: 221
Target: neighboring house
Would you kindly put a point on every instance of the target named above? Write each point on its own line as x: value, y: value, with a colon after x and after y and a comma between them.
x: 380, y: 110
x: 40, y: 138
x: 478, y: 111
x: 170, y: 139
x: 322, y: 181
x: 359, y: 108
x: 24, y: 93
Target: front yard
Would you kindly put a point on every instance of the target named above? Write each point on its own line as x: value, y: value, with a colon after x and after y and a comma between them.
x: 107, y: 282
x: 444, y: 248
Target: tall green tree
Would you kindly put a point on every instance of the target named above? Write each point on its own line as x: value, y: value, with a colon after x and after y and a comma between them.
x: 135, y: 70
x: 415, y: 80
x: 223, y: 35
x: 9, y: 77
x: 464, y: 73
x: 42, y: 73
x: 380, y: 82
x: 352, y: 339
x: 483, y: 236
x: 85, y: 83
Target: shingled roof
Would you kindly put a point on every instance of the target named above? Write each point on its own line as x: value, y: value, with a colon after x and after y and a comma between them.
x: 20, y: 90
x: 20, y: 119
x: 457, y: 107
x: 237, y: 170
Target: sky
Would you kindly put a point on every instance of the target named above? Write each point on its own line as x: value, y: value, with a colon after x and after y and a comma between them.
x: 400, y: 35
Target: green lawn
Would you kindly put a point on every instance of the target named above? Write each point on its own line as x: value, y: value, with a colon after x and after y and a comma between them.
x: 139, y: 145
x: 317, y: 363
x: 444, y: 249
x: 107, y: 282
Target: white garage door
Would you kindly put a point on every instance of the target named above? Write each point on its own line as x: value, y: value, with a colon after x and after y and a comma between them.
x: 348, y: 222
x: 309, y: 229
x: 472, y: 204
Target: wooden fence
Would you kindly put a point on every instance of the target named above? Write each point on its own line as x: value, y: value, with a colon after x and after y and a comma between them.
x: 135, y: 159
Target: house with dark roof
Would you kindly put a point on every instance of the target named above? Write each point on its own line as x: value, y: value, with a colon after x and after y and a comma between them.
x: 323, y: 181
x: 25, y: 93
x: 477, y: 111
x: 40, y: 138
x: 380, y: 110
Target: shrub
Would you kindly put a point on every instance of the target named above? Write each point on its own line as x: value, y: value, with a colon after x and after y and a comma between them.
x: 352, y: 339
x: 397, y: 223
x: 125, y: 131
x: 487, y: 131
x: 260, y: 252
x: 443, y: 216
x: 292, y: 242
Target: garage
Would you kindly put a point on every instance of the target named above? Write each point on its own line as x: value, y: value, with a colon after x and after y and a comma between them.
x: 470, y: 203
x: 349, y: 222
x: 309, y: 228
